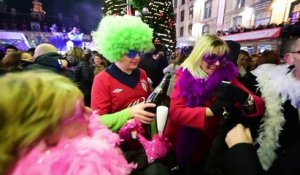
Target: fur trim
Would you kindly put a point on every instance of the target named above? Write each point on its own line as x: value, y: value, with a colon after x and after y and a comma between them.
x: 277, y: 86
x: 262, y: 69
x: 290, y: 89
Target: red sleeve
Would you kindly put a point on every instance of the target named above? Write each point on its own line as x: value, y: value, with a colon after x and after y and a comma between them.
x: 259, y: 103
x: 188, y: 116
x: 100, y: 95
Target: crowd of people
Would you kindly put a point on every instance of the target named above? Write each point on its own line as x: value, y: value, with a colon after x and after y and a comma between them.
x: 240, y: 29
x: 288, y: 28
x: 230, y: 112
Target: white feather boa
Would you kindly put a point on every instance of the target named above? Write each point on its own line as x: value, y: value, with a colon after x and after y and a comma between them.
x: 276, y: 86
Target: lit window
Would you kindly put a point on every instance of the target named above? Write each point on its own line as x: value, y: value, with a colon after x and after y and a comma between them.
x: 237, y: 20
x: 207, y: 9
x: 205, y: 29
x: 175, y: 3
x: 182, y: 15
x: 191, y: 12
x: 240, y: 3
x: 181, y: 31
x: 190, y: 29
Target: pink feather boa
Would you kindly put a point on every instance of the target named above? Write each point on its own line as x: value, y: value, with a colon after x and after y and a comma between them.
x: 93, y: 155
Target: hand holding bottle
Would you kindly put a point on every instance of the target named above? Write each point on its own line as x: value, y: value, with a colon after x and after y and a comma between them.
x: 159, y: 94
x: 138, y: 111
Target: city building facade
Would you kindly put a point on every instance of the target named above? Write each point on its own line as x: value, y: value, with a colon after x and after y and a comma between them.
x: 25, y: 30
x: 226, y: 17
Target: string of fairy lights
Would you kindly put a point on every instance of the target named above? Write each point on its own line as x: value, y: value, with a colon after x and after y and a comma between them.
x: 158, y: 14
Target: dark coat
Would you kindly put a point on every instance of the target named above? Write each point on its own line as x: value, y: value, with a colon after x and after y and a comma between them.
x: 242, y: 159
x: 149, y: 65
x: 49, y: 62
x: 249, y: 80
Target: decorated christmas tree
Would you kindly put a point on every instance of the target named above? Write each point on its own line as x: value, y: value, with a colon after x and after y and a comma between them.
x: 114, y: 7
x: 158, y: 14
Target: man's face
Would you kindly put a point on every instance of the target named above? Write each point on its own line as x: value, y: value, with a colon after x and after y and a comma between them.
x: 10, y: 51
x: 296, y: 55
x: 130, y: 62
x: 253, y: 62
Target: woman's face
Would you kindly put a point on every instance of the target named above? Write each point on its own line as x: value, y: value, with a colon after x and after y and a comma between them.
x: 209, y: 69
x: 243, y: 62
x: 211, y: 62
x: 97, y: 60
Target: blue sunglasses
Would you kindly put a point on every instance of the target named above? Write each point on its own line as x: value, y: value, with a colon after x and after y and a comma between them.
x: 132, y: 54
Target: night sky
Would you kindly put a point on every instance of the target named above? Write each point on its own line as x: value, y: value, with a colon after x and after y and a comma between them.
x: 87, y: 10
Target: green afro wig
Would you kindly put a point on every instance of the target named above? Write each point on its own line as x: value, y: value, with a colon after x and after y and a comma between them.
x: 116, y: 35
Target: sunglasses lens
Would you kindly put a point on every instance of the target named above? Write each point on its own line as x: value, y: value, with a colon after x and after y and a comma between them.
x: 132, y: 54
x: 210, y: 59
x: 213, y: 58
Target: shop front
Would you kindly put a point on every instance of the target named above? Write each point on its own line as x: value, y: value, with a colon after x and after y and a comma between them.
x: 259, y: 40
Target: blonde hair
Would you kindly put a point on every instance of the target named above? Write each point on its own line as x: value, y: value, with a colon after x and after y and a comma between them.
x: 32, y: 105
x: 206, y: 44
x: 76, y: 52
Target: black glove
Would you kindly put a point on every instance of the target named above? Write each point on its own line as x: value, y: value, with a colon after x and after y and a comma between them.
x: 221, y: 108
x: 232, y: 94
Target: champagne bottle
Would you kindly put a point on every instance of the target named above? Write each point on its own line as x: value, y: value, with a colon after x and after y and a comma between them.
x: 159, y: 97
x: 159, y: 94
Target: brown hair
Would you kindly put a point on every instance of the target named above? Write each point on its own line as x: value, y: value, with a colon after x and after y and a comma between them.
x: 76, y: 52
x: 10, y: 61
x: 269, y: 56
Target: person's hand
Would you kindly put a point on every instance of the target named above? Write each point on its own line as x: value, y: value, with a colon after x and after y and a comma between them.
x: 238, y: 134
x: 138, y: 111
x: 230, y: 93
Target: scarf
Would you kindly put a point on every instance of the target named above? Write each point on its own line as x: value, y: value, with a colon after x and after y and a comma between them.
x: 198, y: 90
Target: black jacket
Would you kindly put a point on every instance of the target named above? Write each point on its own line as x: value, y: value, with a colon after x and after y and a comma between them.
x: 49, y: 62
